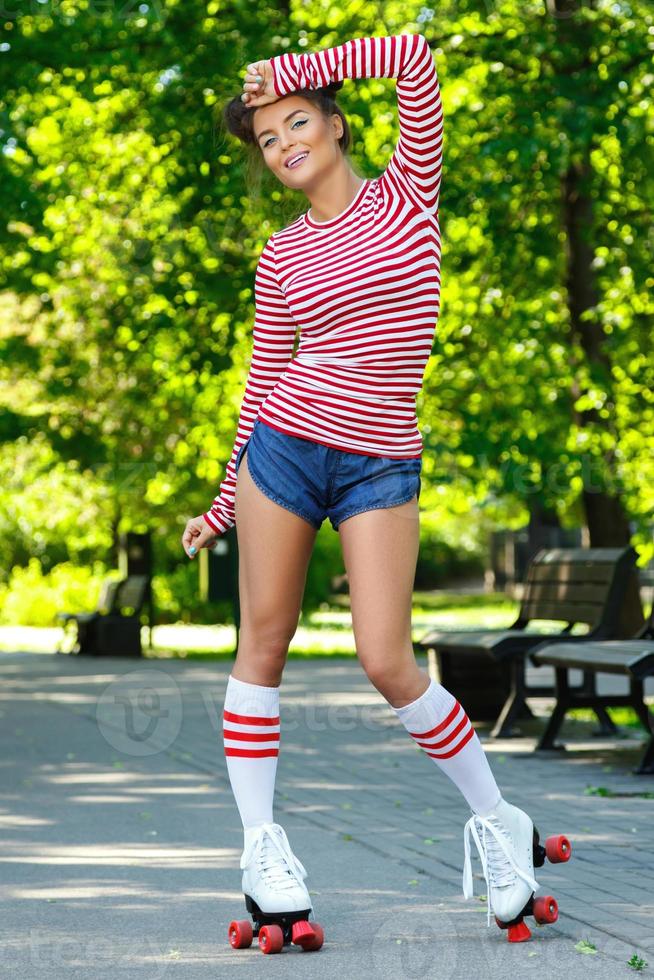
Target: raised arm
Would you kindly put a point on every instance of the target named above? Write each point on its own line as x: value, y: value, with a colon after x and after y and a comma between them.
x: 415, y: 166
x: 273, y: 341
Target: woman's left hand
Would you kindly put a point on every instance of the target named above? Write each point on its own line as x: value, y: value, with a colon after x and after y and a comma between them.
x: 258, y: 84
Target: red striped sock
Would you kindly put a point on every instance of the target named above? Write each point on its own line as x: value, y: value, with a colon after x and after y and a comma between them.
x: 251, y: 733
x: 440, y: 726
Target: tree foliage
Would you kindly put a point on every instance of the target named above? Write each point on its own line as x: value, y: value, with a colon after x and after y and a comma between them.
x: 131, y: 234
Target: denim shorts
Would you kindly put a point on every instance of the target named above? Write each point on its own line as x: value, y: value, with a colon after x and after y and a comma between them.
x: 316, y: 481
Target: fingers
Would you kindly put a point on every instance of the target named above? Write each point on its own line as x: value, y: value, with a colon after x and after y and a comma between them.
x: 254, y: 82
x: 190, y: 538
x: 192, y: 549
x: 254, y: 77
x: 199, y: 539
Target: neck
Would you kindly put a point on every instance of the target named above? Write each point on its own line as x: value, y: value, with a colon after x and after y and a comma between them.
x: 335, y: 193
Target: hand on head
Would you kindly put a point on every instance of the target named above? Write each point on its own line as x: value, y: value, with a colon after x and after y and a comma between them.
x: 258, y: 84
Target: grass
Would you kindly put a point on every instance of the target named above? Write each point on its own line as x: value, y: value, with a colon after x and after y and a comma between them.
x: 623, y: 717
x: 325, y: 632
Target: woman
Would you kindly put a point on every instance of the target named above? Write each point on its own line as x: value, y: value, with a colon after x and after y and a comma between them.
x: 332, y: 433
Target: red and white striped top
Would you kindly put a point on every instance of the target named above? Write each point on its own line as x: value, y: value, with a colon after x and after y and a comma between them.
x: 363, y: 288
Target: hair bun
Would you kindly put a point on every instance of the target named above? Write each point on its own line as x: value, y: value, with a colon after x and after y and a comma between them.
x: 333, y: 87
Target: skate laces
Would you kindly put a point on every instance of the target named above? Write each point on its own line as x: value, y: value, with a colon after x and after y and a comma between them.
x: 495, y: 850
x: 274, y: 858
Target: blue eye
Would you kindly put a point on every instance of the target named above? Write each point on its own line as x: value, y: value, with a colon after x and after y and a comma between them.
x: 300, y: 122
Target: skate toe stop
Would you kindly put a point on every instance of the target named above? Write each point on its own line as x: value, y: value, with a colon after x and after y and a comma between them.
x: 302, y: 932
x: 519, y: 933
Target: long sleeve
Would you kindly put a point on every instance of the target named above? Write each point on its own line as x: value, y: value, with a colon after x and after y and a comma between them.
x: 273, y: 341
x: 415, y: 166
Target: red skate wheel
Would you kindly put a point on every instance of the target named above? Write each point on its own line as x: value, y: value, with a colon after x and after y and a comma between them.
x: 545, y: 909
x: 271, y: 939
x: 558, y: 849
x: 318, y: 938
x: 501, y: 924
x: 519, y: 933
x: 240, y: 934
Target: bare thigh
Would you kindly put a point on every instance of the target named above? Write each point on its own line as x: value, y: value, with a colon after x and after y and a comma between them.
x: 274, y: 547
x: 380, y: 552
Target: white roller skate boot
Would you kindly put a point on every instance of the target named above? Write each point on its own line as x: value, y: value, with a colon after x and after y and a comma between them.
x: 272, y: 876
x: 505, y: 841
x: 275, y: 895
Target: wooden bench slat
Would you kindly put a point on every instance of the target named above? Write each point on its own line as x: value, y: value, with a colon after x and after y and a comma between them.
x: 599, y: 555
x: 571, y: 574
x: 588, y: 658
x: 608, y: 656
x: 567, y: 612
x: 487, y: 640
x: 561, y: 592
x: 466, y: 638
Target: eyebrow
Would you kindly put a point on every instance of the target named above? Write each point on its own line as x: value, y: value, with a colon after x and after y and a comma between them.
x: 286, y: 119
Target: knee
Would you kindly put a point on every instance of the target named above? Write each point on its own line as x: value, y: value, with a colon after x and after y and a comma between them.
x: 380, y: 672
x: 392, y: 673
x: 266, y: 644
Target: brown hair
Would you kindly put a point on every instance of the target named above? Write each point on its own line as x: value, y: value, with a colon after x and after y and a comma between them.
x: 237, y: 118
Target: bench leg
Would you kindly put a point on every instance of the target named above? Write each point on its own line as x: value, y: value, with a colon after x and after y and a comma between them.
x: 606, y: 725
x: 515, y: 705
x: 588, y: 688
x: 548, y: 738
x: 646, y: 765
x: 637, y: 695
x: 646, y: 718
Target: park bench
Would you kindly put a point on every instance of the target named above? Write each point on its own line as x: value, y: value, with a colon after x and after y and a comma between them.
x: 485, y: 669
x: 114, y: 627
x: 632, y: 658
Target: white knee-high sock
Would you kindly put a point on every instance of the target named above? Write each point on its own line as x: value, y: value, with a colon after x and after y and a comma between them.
x: 440, y: 726
x: 251, y: 739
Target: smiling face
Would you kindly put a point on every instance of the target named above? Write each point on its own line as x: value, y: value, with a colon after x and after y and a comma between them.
x: 293, y: 126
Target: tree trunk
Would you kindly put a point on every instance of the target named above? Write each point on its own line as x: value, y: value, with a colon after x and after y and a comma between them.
x: 608, y: 524
x: 543, y: 527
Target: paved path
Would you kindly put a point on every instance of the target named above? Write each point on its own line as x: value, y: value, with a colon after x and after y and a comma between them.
x: 121, y: 840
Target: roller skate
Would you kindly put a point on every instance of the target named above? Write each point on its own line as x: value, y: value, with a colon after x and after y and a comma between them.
x: 509, y: 847
x: 275, y: 895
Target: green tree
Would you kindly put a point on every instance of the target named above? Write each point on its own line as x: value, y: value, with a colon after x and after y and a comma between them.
x: 131, y: 236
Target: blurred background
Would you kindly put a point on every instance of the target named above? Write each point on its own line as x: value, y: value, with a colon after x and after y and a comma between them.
x: 131, y: 225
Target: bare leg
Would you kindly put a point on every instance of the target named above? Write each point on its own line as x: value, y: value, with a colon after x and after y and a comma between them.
x: 275, y: 547
x: 274, y: 550
x: 380, y: 552
x: 380, y: 549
